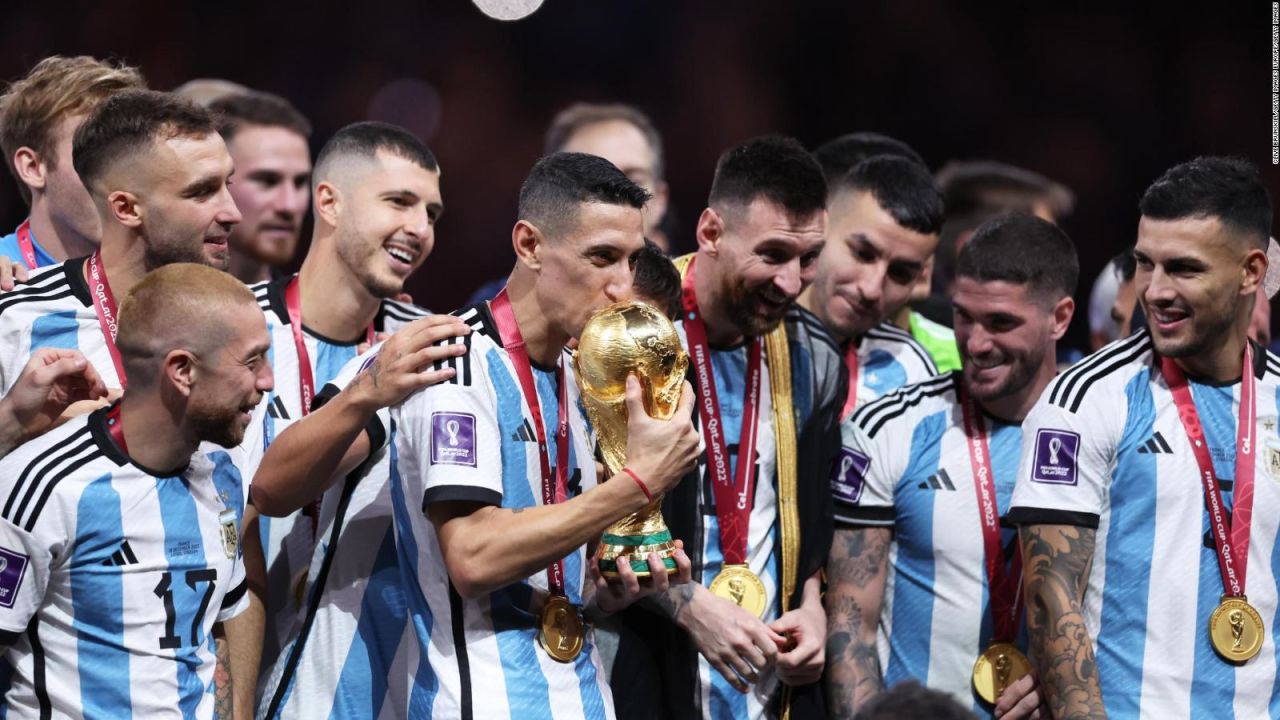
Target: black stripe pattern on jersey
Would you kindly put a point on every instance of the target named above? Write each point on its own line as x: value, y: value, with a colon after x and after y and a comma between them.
x: 460, y: 647
x: 893, y: 333
x: 1069, y: 389
x: 45, y: 287
x: 44, y: 473
x: 403, y: 312
x: 38, y: 669
x: 871, y: 417
x: 475, y: 319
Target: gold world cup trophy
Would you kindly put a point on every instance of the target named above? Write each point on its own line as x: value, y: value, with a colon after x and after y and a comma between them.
x: 623, y: 339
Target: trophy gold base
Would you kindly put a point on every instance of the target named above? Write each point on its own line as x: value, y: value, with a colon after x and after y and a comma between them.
x: 637, y: 549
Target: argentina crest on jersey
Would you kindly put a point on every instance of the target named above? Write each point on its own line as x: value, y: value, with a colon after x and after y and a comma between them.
x: 230, y: 533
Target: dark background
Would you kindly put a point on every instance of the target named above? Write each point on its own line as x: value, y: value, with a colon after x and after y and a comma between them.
x: 1101, y: 98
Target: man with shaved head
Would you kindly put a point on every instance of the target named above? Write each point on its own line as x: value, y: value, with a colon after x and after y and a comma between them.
x: 119, y: 540
x: 157, y: 172
x: 376, y: 193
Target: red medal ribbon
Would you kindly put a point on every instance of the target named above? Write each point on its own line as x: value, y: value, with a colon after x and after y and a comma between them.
x: 554, y: 487
x: 26, y: 246
x: 306, y: 379
x: 1005, y: 589
x: 1232, y: 548
x: 116, y: 429
x: 733, y: 495
x: 851, y: 364
x: 104, y: 304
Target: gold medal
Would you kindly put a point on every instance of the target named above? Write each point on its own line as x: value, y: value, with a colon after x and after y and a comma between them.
x: 998, y: 667
x: 740, y: 586
x: 560, y: 632
x: 1235, y: 629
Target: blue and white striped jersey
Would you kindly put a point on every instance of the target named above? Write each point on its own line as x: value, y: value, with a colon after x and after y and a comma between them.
x: 889, y: 358
x: 1106, y: 449
x: 905, y: 465
x: 54, y: 308
x: 472, y: 439
x: 112, y: 577
x: 347, y: 658
x: 288, y: 542
x: 10, y: 248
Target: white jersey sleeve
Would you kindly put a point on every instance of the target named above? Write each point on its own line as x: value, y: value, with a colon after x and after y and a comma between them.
x: 450, y: 444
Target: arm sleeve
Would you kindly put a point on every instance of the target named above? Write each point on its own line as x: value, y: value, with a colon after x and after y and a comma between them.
x: 26, y: 559
x: 1066, y: 463
x: 236, y: 600
x: 863, y: 478
x: 448, y: 446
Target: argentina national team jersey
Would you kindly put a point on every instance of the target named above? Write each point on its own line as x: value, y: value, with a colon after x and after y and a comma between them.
x: 472, y: 439
x: 288, y: 542
x: 53, y: 309
x: 889, y: 358
x: 906, y: 465
x: 112, y: 576
x: 1106, y: 448
x: 12, y: 249
x: 348, y: 658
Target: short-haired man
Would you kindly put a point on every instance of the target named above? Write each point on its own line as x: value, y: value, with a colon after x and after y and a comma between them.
x: 930, y: 468
x: 119, y: 539
x: 626, y: 137
x: 156, y: 170
x: 883, y: 227
x: 267, y: 139
x: 494, y: 481
x: 377, y: 200
x: 756, y: 515
x: 39, y: 115
x: 1147, y: 499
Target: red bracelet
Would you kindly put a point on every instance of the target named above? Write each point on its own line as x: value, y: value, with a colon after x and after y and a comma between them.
x: 643, y: 488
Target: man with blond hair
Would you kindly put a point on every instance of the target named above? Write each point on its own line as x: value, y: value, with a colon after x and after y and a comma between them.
x: 39, y: 115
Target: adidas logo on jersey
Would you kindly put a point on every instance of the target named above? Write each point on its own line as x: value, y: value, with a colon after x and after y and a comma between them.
x: 1155, y: 445
x: 525, y: 433
x: 941, y: 481
x: 122, y: 556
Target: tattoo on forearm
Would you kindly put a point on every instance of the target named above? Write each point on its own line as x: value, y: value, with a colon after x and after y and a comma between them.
x: 674, y: 601
x: 858, y: 559
x: 1057, y: 561
x: 224, y: 703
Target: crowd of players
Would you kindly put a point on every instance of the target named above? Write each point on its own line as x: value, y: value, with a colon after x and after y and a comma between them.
x: 227, y: 490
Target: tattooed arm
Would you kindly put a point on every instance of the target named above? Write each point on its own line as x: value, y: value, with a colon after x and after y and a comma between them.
x: 1056, y: 564
x: 224, y: 689
x: 856, y: 574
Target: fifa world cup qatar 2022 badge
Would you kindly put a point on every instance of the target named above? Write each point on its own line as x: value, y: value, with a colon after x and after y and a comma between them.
x: 453, y: 439
x: 848, y: 473
x: 1055, y: 459
x: 13, y: 567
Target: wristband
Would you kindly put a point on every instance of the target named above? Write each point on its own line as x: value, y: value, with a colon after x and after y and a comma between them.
x: 643, y: 488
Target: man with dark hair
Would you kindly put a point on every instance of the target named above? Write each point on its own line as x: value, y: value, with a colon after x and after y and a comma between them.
x: 839, y: 155
x: 267, y: 139
x: 494, y: 482
x: 884, y: 216
x: 626, y: 137
x: 757, y: 517
x: 39, y: 115
x: 157, y: 171
x: 913, y: 464
x: 657, y: 281
x: 909, y: 700
x: 1149, y: 478
x: 377, y: 200
x: 116, y: 576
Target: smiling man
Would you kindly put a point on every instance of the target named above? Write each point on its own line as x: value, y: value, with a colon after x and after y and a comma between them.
x: 377, y: 199
x: 157, y: 172
x: 929, y: 469
x: 267, y: 139
x: 1147, y: 498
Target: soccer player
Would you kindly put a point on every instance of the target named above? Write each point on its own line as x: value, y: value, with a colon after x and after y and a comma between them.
x: 157, y: 172
x: 757, y: 513
x: 267, y: 139
x: 39, y: 115
x: 50, y: 385
x: 884, y: 217
x: 920, y: 581
x: 494, y: 482
x: 377, y: 199
x: 119, y: 540
x: 1147, y: 498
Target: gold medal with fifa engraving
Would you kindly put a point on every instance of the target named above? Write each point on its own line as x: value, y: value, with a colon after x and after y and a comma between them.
x: 740, y: 586
x: 1235, y: 629
x: 998, y: 667
x: 560, y: 631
